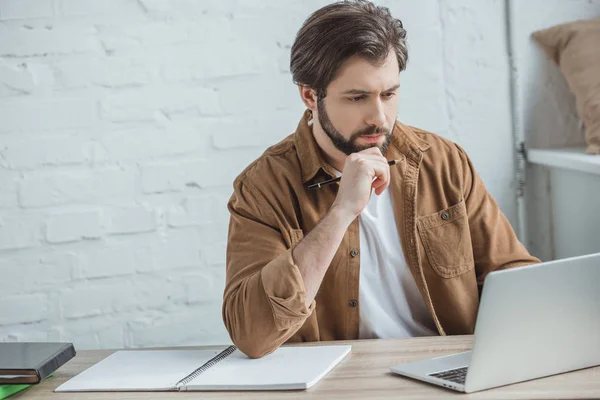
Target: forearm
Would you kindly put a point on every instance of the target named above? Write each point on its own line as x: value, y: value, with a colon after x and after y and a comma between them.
x: 267, y: 307
x: 314, y: 253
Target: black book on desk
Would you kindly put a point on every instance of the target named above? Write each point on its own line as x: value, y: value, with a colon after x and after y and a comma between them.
x: 32, y: 362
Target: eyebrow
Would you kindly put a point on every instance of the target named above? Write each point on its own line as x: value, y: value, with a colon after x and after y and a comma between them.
x: 358, y: 91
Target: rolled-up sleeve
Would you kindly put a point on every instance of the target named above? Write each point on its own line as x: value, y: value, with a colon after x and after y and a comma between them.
x: 264, y: 298
x: 284, y: 288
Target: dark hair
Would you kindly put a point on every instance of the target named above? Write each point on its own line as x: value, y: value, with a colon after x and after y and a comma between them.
x: 338, y: 31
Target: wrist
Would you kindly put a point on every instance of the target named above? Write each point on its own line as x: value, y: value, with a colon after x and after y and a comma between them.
x: 342, y: 215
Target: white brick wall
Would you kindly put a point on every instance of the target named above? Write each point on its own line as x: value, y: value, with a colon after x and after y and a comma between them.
x: 124, y: 122
x: 73, y: 227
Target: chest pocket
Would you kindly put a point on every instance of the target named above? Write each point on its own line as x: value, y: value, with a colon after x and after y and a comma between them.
x: 447, y: 240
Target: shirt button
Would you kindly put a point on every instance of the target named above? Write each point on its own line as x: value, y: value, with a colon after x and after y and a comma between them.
x: 354, y: 252
x: 445, y: 216
x: 353, y: 303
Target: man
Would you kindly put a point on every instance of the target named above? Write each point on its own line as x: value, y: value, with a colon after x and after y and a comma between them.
x: 338, y: 262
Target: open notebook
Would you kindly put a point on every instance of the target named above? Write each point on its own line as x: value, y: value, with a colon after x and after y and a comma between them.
x: 229, y: 369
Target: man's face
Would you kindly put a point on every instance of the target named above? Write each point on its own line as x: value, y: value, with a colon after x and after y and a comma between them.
x: 361, y: 105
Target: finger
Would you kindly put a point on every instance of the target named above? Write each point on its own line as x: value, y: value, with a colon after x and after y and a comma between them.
x: 366, y: 153
x: 374, y: 157
x: 379, y: 190
x: 378, y: 186
x: 377, y: 167
x: 371, y: 150
x: 382, y: 174
x: 377, y: 183
x: 369, y: 157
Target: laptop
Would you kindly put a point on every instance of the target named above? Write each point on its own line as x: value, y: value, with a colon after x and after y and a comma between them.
x: 533, y: 321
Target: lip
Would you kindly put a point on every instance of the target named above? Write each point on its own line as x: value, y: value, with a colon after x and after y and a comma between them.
x: 371, y: 138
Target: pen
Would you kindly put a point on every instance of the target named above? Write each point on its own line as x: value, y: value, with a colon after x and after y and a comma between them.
x: 327, y: 182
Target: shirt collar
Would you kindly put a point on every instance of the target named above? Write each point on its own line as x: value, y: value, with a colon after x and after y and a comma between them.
x: 309, y: 152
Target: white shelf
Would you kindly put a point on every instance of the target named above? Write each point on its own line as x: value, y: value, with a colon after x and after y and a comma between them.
x: 571, y: 158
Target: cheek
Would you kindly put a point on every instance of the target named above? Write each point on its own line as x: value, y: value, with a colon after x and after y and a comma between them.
x: 346, y: 118
x: 392, y: 110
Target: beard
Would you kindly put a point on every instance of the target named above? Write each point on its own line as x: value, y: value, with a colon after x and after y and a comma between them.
x: 349, y: 146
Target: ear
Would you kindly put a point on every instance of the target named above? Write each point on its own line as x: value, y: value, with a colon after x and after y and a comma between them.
x: 309, y: 97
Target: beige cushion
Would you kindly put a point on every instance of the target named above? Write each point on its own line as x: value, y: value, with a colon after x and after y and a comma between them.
x: 575, y: 48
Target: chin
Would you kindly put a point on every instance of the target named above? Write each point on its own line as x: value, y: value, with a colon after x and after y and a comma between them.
x: 368, y: 146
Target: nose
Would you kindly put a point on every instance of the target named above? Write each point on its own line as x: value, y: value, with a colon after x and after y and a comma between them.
x: 377, y: 114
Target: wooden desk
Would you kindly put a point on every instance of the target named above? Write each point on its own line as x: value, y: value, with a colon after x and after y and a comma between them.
x: 364, y: 374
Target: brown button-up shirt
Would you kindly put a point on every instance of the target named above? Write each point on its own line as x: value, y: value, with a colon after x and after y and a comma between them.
x: 451, y: 229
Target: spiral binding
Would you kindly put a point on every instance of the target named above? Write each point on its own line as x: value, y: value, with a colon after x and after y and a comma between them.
x: 216, y: 359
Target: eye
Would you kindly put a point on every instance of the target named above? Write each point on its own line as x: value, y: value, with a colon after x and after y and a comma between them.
x: 388, y: 95
x: 356, y: 99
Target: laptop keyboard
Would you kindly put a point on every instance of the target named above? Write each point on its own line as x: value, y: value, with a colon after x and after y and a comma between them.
x: 456, y: 375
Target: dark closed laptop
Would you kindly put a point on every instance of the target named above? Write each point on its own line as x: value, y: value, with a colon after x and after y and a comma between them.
x: 32, y: 362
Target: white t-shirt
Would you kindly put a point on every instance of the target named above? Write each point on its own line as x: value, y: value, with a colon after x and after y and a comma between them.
x: 391, y: 305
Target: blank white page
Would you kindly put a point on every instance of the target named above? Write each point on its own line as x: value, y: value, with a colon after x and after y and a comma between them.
x: 139, y: 370
x: 286, y: 368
